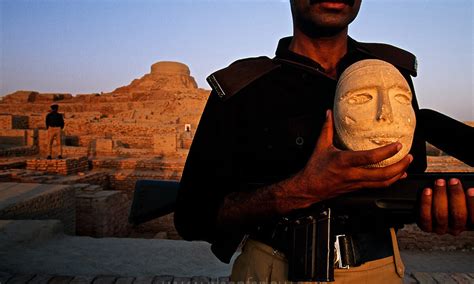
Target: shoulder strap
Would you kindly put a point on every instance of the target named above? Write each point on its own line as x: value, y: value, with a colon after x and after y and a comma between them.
x: 230, y: 80
x: 393, y: 55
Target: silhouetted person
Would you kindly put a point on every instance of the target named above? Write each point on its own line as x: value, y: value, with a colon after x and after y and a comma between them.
x: 54, y: 124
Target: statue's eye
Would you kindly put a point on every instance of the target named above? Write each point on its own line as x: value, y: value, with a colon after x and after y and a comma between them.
x: 359, y: 99
x: 403, y: 99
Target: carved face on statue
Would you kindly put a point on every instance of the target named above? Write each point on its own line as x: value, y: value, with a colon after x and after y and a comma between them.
x: 372, y: 108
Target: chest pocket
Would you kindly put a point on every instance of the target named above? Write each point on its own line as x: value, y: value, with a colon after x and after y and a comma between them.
x: 291, y: 142
x: 301, y: 135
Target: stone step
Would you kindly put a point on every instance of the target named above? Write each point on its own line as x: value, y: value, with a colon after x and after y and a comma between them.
x: 19, y: 233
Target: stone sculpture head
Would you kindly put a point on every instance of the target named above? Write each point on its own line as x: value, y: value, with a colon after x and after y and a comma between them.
x: 372, y: 108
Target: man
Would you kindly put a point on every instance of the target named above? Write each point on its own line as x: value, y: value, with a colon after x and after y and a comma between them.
x: 54, y: 125
x: 264, y: 148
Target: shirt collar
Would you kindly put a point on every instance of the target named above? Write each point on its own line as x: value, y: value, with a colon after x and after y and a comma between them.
x: 352, y: 55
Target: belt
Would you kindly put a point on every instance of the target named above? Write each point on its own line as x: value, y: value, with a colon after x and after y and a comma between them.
x: 351, y: 249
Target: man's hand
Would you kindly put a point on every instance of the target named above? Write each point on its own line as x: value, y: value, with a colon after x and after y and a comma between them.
x: 328, y: 173
x: 446, y: 209
x: 331, y: 172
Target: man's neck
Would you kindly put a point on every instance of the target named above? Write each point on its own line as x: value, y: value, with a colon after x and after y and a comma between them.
x: 327, y: 51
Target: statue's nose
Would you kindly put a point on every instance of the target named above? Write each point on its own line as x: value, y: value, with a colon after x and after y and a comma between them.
x: 384, y: 108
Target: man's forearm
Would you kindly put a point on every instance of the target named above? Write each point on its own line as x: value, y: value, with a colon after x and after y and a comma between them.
x: 250, y: 208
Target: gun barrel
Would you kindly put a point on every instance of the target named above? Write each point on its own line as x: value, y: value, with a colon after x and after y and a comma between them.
x: 399, y: 201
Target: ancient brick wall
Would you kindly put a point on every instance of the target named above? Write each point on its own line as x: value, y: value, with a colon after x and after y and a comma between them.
x: 63, y: 167
x: 19, y: 151
x: 6, y: 121
x: 100, y: 178
x: 14, y: 137
x: 164, y: 143
x: 103, y: 146
x: 134, y: 141
x: 20, y: 122
x: 102, y: 213
x: 70, y: 151
x: 40, y: 202
x: 37, y: 121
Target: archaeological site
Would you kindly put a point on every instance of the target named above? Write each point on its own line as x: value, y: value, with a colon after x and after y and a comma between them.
x: 111, y: 140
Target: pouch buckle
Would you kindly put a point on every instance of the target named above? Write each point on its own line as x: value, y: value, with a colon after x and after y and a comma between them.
x: 337, y: 248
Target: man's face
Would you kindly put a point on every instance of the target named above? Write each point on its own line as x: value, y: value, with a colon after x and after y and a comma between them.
x: 373, y: 108
x: 323, y: 17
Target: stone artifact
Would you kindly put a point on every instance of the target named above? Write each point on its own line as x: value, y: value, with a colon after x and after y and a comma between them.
x: 372, y: 108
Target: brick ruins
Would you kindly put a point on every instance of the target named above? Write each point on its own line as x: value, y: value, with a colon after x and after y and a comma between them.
x: 139, y: 131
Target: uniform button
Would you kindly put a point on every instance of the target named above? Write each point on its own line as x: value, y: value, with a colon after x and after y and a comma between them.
x: 265, y: 129
x: 304, y: 76
x: 299, y: 141
x: 269, y: 147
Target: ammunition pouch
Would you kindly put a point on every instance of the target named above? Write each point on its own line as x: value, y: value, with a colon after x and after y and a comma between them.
x: 315, y: 244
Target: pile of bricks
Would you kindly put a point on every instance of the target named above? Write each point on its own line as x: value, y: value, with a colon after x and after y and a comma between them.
x: 64, y: 166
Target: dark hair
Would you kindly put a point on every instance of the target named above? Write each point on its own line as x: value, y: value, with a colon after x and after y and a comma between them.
x: 54, y: 107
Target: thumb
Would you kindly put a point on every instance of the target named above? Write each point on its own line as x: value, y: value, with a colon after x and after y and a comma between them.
x: 327, y: 133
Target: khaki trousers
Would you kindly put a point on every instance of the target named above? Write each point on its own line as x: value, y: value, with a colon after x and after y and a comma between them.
x: 55, y: 134
x: 259, y: 263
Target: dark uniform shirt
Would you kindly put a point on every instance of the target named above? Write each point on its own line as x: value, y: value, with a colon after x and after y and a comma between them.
x: 54, y: 119
x: 263, y: 134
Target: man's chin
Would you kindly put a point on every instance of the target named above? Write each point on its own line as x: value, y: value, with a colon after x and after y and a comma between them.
x: 326, y: 30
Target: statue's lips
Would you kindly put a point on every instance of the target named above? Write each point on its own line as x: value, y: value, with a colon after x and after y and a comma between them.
x: 382, y: 141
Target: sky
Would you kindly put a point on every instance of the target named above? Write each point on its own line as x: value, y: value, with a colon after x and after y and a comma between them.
x: 91, y: 46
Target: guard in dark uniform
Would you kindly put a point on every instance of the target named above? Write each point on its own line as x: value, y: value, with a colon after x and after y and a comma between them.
x: 262, y: 128
x: 55, y: 125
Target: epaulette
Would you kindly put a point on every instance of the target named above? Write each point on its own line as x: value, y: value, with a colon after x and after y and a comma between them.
x: 232, y: 79
x: 391, y: 54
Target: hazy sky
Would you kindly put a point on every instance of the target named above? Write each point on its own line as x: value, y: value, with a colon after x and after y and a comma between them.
x: 90, y: 46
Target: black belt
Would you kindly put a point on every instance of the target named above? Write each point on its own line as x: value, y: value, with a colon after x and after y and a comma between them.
x: 352, y: 249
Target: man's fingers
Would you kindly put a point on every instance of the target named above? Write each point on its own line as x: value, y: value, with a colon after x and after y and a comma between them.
x: 380, y: 183
x: 327, y: 133
x: 470, y: 207
x: 440, y: 207
x: 369, y: 157
x: 425, y: 221
x: 383, y: 173
x: 457, y: 207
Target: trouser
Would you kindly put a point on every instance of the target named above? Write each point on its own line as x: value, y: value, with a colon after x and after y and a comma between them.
x: 54, y: 133
x: 261, y: 263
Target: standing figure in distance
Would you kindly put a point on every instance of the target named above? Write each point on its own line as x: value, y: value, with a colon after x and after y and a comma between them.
x: 54, y: 125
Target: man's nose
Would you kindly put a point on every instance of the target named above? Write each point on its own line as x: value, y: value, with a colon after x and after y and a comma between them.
x: 384, y: 108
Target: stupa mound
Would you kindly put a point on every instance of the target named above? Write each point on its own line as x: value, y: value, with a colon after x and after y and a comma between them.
x: 164, y: 76
x: 171, y: 68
